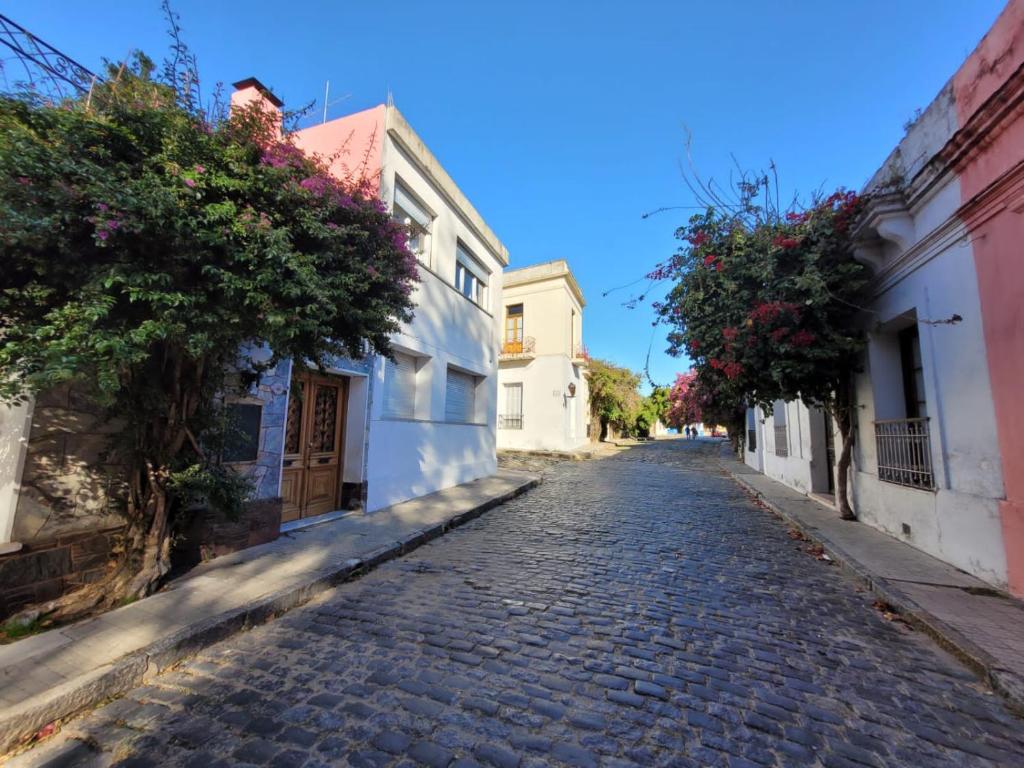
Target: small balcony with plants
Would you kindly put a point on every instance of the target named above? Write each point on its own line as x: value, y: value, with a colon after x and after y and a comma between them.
x: 518, y: 349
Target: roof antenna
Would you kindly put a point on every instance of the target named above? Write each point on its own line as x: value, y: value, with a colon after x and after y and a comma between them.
x: 327, y: 93
x: 391, y: 98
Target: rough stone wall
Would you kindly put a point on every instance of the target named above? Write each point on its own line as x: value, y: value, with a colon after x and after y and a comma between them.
x: 48, y: 569
x: 272, y: 390
x: 67, y: 485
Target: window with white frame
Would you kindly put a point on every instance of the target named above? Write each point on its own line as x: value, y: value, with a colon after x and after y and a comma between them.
x: 460, y: 397
x: 513, y: 416
x: 470, y: 276
x: 416, y: 219
x: 781, y: 432
x: 400, y: 387
x: 752, y: 429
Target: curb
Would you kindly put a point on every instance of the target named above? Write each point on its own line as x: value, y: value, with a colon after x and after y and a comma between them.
x: 982, y: 663
x: 19, y: 724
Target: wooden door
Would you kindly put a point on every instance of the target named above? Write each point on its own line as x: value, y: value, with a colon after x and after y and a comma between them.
x: 311, y: 476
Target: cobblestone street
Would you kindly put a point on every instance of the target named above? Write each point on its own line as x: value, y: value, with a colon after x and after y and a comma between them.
x: 633, y: 610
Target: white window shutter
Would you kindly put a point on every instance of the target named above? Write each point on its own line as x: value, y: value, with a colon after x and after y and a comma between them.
x: 411, y: 206
x: 460, y: 401
x: 514, y: 400
x: 400, y: 387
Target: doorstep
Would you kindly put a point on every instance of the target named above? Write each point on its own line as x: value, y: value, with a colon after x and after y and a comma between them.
x: 55, y: 674
x: 981, y: 625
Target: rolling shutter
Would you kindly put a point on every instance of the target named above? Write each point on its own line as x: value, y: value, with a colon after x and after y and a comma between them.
x: 411, y: 206
x: 460, y: 397
x: 400, y: 387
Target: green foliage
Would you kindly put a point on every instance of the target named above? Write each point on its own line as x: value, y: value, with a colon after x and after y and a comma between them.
x: 143, y: 247
x: 130, y: 224
x: 653, y: 408
x: 210, y: 484
x: 614, y: 395
x: 767, y: 308
x: 768, y: 311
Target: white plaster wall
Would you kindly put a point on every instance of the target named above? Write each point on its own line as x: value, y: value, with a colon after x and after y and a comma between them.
x: 547, y: 408
x: 795, y: 469
x: 15, y: 424
x: 548, y: 318
x: 755, y: 459
x: 413, y: 457
x: 959, y: 521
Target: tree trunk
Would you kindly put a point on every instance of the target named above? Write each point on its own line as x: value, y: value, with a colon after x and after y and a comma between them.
x: 844, y: 417
x: 155, y: 446
x: 146, y: 559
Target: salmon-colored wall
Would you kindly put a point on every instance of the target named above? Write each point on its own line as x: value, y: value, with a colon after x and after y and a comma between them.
x: 352, y: 145
x: 999, y: 260
x: 251, y: 94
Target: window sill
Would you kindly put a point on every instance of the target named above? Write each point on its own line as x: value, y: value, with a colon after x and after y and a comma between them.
x: 432, y: 421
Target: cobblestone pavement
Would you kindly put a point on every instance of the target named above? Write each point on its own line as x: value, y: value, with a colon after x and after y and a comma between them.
x: 635, y: 610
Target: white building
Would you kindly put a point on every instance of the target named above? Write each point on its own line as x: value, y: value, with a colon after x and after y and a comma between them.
x: 927, y: 467
x: 543, y: 401
x: 426, y: 420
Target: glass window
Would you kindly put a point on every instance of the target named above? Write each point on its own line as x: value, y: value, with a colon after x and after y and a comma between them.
x: 514, y: 323
x: 413, y: 215
x: 470, y: 276
x: 913, y: 373
x: 242, y: 441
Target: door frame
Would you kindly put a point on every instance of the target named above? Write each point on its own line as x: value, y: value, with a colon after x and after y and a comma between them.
x: 310, y: 378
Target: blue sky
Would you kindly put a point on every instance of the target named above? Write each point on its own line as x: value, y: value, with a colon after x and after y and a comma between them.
x: 564, y: 122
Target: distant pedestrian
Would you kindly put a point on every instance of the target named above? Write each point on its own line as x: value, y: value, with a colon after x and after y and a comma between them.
x: 687, y: 433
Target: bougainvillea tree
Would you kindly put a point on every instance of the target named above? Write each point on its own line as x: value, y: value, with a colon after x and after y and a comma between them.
x: 615, y: 399
x: 766, y: 306
x: 142, y: 246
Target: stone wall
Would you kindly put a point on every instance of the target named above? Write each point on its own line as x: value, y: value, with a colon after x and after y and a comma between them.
x: 46, y: 570
x: 211, y: 534
x: 272, y: 392
x: 68, y: 486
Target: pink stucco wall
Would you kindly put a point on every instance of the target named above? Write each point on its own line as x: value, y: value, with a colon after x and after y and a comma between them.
x: 352, y: 145
x: 996, y: 164
x: 252, y: 92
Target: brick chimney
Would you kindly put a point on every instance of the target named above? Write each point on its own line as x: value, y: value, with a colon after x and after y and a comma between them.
x: 252, y: 91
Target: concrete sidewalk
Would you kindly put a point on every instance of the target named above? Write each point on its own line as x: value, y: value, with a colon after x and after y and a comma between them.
x: 982, y: 626
x: 57, y: 673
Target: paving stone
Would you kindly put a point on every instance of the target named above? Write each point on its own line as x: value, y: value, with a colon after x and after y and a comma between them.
x: 645, y: 688
x: 492, y: 754
x: 430, y: 754
x: 636, y: 610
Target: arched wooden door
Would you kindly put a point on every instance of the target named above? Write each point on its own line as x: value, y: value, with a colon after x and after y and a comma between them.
x: 314, y: 439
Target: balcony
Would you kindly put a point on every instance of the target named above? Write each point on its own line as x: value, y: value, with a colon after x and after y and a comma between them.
x: 518, y: 349
x: 580, y: 355
x: 512, y: 421
x: 904, y: 453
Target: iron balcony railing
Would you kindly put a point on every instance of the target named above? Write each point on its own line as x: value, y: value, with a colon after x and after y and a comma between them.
x: 525, y: 346
x: 28, y: 64
x: 904, y: 452
x: 514, y: 421
x: 781, y: 440
x: 580, y: 352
